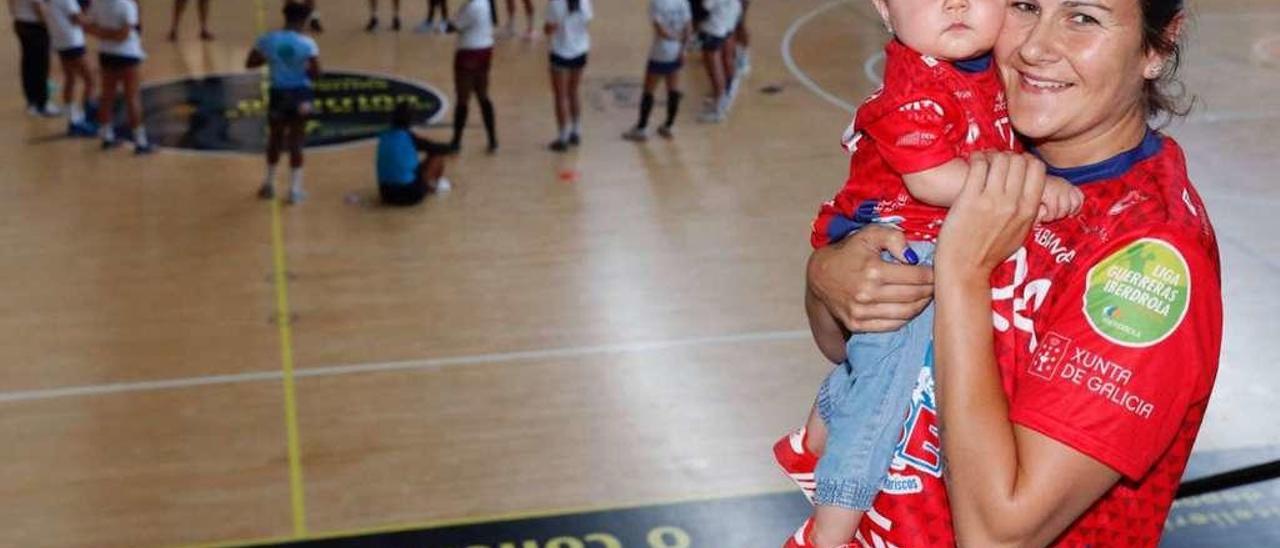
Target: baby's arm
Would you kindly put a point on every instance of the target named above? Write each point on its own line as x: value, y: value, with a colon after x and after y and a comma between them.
x: 938, y: 186
x: 1061, y: 199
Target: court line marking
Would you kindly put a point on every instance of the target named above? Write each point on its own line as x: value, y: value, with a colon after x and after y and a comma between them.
x: 297, y: 495
x: 395, y: 366
x: 497, y: 518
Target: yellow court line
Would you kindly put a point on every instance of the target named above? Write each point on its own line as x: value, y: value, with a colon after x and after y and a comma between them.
x: 297, y: 496
x: 497, y: 518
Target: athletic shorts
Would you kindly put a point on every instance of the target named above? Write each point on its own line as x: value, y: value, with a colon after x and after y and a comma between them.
x: 403, y: 194
x: 71, y: 54
x: 286, y: 105
x: 663, y: 68
x: 111, y: 61
x: 570, y: 63
x: 473, y: 60
x: 711, y: 42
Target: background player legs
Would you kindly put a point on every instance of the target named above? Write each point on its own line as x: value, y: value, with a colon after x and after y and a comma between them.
x: 486, y: 110
x: 132, y: 80
x: 295, y: 137
x: 373, y: 15
x: 673, y: 103
x: 742, y: 54
x: 559, y: 90
x: 34, y: 41
x: 575, y: 106
x: 275, y: 143
x: 180, y: 6
x: 529, y: 33
x: 429, y: 23
x: 106, y: 107
x: 76, y: 69
x: 464, y: 82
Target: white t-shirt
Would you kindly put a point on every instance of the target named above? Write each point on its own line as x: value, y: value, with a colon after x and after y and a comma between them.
x: 63, y: 30
x: 118, y: 14
x: 571, y: 38
x: 722, y: 17
x: 475, y: 25
x: 673, y: 16
x: 25, y: 11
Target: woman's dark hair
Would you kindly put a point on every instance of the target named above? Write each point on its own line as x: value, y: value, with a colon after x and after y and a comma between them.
x: 574, y: 6
x: 402, y: 116
x: 1165, y: 95
x: 296, y: 12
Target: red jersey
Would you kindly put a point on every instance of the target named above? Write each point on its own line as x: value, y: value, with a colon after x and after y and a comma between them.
x: 928, y: 113
x: 1108, y: 326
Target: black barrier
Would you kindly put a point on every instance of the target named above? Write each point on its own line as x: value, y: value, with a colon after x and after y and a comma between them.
x: 228, y: 112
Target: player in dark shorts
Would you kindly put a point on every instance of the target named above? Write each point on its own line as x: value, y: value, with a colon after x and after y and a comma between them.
x: 294, y: 63
x: 405, y: 177
x: 372, y: 25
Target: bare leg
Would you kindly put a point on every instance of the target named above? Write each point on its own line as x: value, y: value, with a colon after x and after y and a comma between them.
x: 133, y: 98
x: 179, y: 6
x: 815, y: 433
x: 204, y: 21
x: 575, y: 105
x: 106, y: 104
x: 834, y: 526
x: 715, y: 71
x: 559, y: 81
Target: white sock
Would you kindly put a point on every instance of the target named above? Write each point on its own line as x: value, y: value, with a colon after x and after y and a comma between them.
x: 271, y: 175
x: 295, y: 179
x: 75, y: 113
x: 107, y: 132
x: 140, y: 136
x: 564, y: 134
x: 575, y: 127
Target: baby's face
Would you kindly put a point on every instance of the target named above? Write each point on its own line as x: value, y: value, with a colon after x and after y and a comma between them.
x: 951, y: 30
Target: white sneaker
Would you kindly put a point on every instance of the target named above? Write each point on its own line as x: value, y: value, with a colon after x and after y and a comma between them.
x: 296, y: 196
x: 636, y: 134
x: 443, y: 185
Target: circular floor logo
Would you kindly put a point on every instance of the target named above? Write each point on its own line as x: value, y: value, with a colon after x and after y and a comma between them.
x: 228, y: 112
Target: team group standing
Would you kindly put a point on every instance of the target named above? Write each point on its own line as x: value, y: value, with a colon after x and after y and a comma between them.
x: 715, y: 27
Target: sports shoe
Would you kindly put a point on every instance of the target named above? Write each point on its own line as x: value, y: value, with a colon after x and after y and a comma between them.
x: 142, y: 149
x: 426, y: 27
x: 267, y: 191
x: 801, y: 538
x: 82, y: 129
x: 315, y: 25
x: 636, y: 134
x: 558, y: 145
x: 372, y: 25
x: 797, y: 462
x: 575, y: 139
x: 712, y: 115
x: 442, y: 185
x: 296, y: 196
x: 49, y: 110
x: 395, y: 23
x: 665, y: 131
x: 108, y: 144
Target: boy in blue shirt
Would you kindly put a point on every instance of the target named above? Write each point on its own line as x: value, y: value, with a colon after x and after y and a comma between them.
x: 404, y: 179
x: 293, y: 62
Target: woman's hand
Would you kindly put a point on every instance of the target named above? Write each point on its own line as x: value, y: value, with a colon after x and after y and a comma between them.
x: 990, y: 219
x: 862, y: 291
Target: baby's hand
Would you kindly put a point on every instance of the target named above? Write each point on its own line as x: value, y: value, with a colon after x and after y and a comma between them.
x: 1061, y: 199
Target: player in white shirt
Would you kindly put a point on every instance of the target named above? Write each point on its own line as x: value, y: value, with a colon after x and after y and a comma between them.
x: 717, y: 44
x: 474, y: 55
x: 566, y: 25
x: 202, y: 8
x: 672, y: 26
x: 64, y: 19
x: 120, y: 55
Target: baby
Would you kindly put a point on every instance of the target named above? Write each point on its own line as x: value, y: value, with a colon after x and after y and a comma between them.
x: 942, y: 100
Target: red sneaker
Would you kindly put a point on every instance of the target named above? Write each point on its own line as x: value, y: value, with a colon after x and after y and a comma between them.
x: 797, y: 462
x: 801, y: 537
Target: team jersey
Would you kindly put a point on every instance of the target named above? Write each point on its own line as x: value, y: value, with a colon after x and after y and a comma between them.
x: 64, y: 33
x: 571, y: 38
x: 674, y: 17
x: 475, y: 25
x: 1108, y: 326
x: 288, y: 54
x: 928, y: 113
x: 118, y: 14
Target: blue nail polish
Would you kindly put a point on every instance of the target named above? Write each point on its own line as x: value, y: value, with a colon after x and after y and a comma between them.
x: 911, y: 256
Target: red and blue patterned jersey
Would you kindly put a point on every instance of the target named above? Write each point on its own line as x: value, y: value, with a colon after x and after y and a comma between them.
x: 1108, y: 326
x: 928, y: 113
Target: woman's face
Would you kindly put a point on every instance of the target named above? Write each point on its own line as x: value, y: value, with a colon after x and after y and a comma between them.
x: 1073, y: 68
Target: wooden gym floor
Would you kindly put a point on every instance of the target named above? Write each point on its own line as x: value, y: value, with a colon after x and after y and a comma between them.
x: 629, y: 333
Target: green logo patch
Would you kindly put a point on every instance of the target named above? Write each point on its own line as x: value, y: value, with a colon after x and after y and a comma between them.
x: 1138, y: 295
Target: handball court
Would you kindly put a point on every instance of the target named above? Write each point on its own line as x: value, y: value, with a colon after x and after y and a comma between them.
x: 618, y: 326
